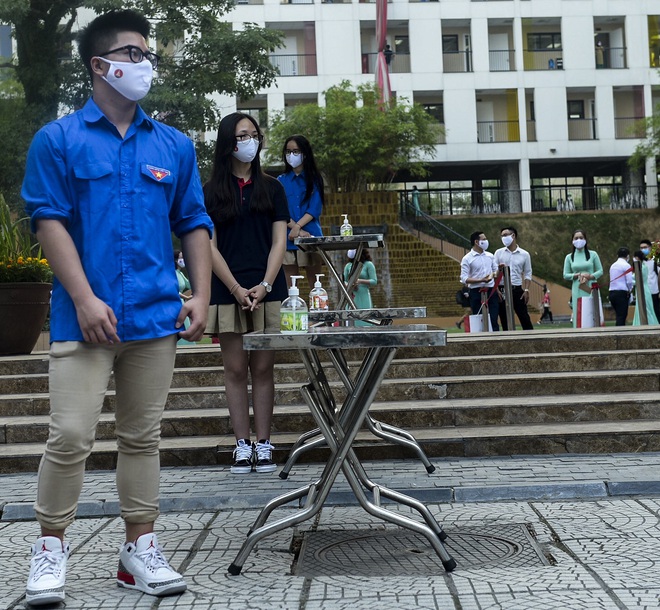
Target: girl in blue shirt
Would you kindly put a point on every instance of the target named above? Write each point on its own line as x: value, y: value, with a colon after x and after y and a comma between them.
x: 303, y: 185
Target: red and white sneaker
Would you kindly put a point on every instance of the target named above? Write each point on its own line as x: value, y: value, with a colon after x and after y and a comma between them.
x: 143, y: 566
x: 45, y: 583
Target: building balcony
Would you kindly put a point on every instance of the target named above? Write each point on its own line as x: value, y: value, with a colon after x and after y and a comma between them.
x: 531, y: 131
x: 295, y: 65
x: 457, y: 61
x: 543, y: 60
x: 582, y: 129
x: 498, y: 131
x: 399, y: 64
x: 626, y: 128
x: 613, y: 58
x: 502, y: 61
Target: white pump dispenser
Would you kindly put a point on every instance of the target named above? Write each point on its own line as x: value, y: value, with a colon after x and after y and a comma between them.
x: 318, y: 297
x: 346, y: 228
x: 293, y: 311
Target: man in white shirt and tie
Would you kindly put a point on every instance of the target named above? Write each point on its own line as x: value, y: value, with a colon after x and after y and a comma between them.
x: 621, y: 285
x: 478, y: 269
x: 520, y: 264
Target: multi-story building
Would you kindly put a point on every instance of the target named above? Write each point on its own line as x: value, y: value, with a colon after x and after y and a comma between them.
x: 540, y: 99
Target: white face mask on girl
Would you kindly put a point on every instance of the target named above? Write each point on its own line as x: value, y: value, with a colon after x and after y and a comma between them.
x: 181, y: 263
x: 507, y: 240
x: 579, y: 243
x: 132, y: 80
x: 246, y: 151
x: 294, y: 160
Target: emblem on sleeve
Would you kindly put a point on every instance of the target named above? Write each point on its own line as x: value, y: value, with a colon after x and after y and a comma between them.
x: 158, y: 172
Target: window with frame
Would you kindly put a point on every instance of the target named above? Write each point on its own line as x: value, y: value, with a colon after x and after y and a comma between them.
x: 575, y: 109
x: 450, y: 43
x: 546, y: 41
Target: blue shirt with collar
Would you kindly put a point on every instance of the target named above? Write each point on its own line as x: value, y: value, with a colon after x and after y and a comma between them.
x: 120, y: 200
x: 295, y: 188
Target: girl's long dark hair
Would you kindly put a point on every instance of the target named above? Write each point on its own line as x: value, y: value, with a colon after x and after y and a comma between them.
x: 586, y: 248
x: 313, y: 177
x: 222, y: 202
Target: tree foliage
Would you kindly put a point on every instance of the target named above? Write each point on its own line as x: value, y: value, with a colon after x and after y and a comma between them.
x: 650, y: 147
x: 201, y: 56
x: 356, y: 142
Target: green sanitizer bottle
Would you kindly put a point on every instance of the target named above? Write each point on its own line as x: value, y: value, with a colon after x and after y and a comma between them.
x: 346, y: 228
x: 294, y: 317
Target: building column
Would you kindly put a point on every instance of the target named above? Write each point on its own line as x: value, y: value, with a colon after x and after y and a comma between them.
x: 651, y: 183
x: 525, y: 185
x: 510, y: 181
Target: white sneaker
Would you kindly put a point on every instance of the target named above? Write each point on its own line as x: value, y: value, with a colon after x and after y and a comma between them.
x: 143, y: 566
x: 45, y: 583
x: 243, y: 457
x: 263, y: 457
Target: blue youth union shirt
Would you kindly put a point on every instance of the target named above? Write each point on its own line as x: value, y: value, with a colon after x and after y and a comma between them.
x: 120, y: 200
x: 295, y: 187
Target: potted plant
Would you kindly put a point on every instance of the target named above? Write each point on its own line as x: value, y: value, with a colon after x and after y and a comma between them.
x: 25, y: 285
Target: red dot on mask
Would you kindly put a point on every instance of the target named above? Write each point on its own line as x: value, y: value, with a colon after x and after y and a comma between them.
x: 119, y: 73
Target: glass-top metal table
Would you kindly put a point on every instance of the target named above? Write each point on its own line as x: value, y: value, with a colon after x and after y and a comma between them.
x: 340, y: 426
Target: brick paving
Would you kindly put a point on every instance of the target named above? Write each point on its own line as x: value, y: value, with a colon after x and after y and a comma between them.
x: 595, y: 517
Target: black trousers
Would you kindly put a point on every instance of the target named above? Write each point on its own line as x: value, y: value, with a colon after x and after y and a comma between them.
x: 619, y: 300
x: 519, y: 307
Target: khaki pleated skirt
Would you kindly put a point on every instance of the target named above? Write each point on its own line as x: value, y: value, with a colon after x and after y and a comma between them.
x: 234, y: 319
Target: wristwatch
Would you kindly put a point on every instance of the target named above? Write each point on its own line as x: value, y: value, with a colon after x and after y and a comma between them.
x: 266, y: 285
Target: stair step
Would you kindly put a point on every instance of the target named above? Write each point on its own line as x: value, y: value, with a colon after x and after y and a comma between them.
x: 410, y: 415
x: 572, y: 437
x: 188, y: 377
x: 421, y: 388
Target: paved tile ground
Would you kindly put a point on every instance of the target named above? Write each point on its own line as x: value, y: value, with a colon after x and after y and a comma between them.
x: 594, y: 517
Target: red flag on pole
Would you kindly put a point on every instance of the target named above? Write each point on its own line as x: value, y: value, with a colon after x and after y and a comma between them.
x: 382, y: 72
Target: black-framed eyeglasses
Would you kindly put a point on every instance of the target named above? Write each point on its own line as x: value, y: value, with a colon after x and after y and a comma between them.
x: 244, y: 137
x: 136, y: 54
x: 293, y: 152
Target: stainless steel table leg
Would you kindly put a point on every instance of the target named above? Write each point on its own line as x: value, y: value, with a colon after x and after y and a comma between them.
x: 359, y: 402
x: 340, y: 433
x: 400, y: 437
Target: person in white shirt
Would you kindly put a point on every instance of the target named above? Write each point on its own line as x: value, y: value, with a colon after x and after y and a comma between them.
x: 478, y: 269
x: 652, y: 266
x: 621, y: 285
x: 520, y: 265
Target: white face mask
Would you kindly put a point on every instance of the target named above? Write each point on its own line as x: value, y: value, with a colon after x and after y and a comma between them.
x: 507, y: 240
x: 181, y: 263
x: 246, y: 151
x: 483, y: 244
x: 294, y: 160
x: 579, y: 243
x: 133, y: 81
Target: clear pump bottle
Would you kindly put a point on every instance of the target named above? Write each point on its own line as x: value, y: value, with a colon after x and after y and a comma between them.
x: 346, y: 228
x: 294, y: 317
x: 318, y: 297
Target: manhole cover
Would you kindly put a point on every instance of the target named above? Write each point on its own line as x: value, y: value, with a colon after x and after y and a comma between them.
x: 401, y: 552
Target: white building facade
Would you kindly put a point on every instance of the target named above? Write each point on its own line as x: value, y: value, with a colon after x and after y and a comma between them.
x: 539, y: 99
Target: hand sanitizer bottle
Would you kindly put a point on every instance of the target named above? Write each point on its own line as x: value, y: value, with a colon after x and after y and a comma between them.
x: 346, y: 228
x: 293, y: 311
x: 318, y: 297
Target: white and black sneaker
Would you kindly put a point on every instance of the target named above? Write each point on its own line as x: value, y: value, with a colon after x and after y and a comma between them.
x: 143, y: 566
x: 263, y: 456
x: 45, y: 583
x: 243, y: 457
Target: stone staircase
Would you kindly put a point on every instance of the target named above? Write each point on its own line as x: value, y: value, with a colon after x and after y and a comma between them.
x: 546, y: 391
